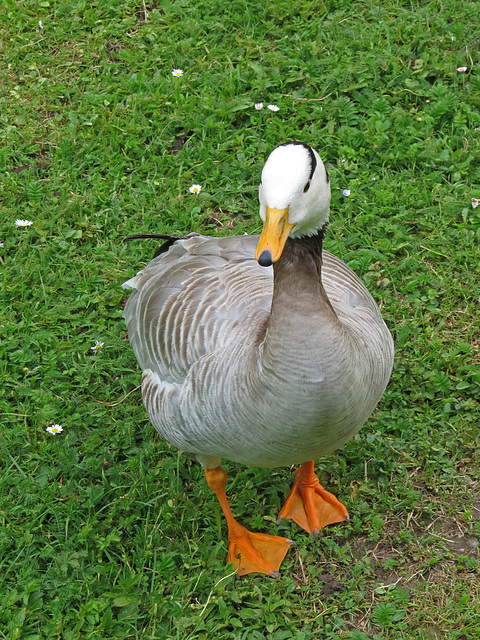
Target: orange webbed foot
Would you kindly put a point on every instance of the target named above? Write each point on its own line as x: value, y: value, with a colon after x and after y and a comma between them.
x: 257, y: 552
x: 309, y: 504
x: 250, y: 552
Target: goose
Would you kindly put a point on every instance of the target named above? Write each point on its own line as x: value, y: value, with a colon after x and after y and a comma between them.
x: 264, y: 350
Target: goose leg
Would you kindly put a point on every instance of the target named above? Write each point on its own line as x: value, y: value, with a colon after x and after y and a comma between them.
x: 309, y: 504
x: 250, y: 552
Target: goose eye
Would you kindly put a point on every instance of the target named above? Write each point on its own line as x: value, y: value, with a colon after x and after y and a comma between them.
x: 306, y: 187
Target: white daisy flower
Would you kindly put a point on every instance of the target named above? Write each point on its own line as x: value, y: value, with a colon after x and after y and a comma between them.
x: 195, y: 188
x: 461, y: 69
x: 54, y: 429
x: 259, y: 106
x: 23, y: 223
x: 177, y: 73
x: 1, y: 245
x: 273, y: 107
x: 346, y: 192
x: 475, y: 202
x: 97, y: 347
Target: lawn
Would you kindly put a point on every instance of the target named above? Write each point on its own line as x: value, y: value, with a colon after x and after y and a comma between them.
x: 105, y: 530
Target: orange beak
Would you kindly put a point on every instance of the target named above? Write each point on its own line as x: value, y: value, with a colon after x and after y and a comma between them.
x: 276, y: 230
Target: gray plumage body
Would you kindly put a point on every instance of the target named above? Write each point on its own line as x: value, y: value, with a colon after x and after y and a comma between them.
x: 237, y: 367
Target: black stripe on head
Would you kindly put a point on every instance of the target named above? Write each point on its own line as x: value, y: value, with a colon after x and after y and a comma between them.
x: 313, y: 160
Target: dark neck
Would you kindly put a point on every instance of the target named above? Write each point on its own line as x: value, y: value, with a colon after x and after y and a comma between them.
x: 300, y: 309
x: 301, y: 259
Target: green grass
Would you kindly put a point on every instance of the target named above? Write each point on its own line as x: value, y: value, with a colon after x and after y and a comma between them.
x: 105, y: 532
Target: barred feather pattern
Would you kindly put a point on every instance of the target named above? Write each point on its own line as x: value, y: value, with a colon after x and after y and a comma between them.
x: 232, y: 369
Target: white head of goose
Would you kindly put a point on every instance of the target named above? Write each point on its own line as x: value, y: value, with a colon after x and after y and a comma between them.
x: 265, y: 367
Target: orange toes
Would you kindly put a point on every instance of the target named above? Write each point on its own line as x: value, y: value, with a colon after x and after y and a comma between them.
x: 257, y: 552
x: 309, y: 504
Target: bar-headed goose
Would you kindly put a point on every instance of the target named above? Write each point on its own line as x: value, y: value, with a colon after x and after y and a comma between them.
x: 263, y: 366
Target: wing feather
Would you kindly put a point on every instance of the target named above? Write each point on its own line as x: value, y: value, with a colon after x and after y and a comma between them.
x: 190, y: 301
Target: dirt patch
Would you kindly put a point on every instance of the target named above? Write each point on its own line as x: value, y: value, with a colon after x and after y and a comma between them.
x: 179, y: 142
x: 331, y: 586
x: 466, y: 545
x: 37, y: 166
